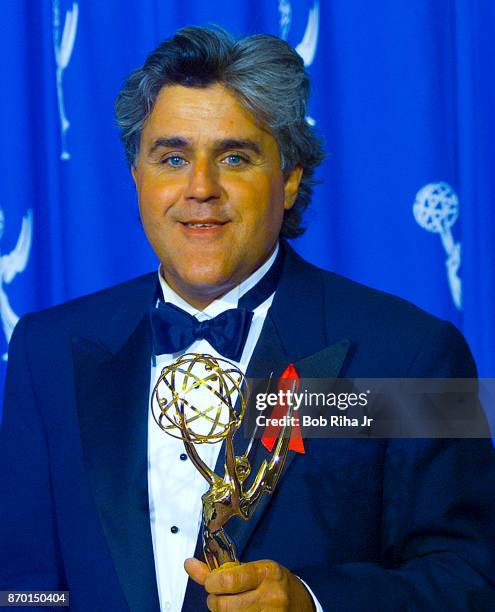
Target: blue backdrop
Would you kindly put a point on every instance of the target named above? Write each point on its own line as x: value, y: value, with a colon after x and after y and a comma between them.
x: 403, y: 96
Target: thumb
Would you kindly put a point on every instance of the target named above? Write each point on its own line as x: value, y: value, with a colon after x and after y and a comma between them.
x: 197, y: 570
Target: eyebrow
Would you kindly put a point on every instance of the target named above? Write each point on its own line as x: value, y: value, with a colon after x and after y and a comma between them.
x: 174, y: 142
x: 177, y: 142
x: 238, y: 143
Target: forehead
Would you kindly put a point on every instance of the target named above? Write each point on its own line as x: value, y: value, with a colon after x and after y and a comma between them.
x: 202, y: 113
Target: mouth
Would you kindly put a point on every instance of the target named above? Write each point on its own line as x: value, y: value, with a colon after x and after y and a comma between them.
x: 203, y: 226
x: 203, y: 222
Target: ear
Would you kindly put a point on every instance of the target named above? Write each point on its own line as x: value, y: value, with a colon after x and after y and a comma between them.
x: 291, y: 186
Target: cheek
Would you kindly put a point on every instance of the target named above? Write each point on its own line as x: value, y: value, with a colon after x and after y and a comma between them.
x: 155, y: 199
x: 273, y: 205
x: 262, y: 198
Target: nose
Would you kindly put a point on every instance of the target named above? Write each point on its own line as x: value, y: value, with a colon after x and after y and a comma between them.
x: 203, y: 185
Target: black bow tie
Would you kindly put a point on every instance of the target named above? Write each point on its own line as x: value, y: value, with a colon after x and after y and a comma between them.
x: 174, y: 329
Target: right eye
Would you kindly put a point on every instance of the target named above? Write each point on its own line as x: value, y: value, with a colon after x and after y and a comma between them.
x: 174, y: 160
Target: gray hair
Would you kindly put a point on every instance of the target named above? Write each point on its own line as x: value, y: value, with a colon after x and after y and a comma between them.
x: 264, y: 72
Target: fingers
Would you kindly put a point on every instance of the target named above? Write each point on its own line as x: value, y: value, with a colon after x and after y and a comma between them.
x: 196, y: 570
x: 242, y: 578
x: 233, y: 603
x: 270, y: 595
x: 250, y: 587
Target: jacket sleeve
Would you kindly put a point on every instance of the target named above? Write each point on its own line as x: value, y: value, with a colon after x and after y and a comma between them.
x: 438, y: 519
x: 30, y: 559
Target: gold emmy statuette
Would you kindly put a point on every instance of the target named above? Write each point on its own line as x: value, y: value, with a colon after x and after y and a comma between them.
x: 202, y: 400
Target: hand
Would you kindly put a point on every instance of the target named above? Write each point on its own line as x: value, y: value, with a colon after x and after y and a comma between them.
x: 252, y: 587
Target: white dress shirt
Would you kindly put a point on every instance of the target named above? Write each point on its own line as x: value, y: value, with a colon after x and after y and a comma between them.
x: 175, y: 486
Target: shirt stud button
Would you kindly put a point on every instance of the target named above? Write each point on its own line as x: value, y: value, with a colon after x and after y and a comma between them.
x: 174, y: 529
x: 183, y: 456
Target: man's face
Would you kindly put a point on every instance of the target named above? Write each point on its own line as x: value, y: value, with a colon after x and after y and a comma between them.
x: 211, y: 190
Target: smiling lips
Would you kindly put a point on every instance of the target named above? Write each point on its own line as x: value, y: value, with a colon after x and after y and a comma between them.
x: 203, y: 225
x: 203, y: 222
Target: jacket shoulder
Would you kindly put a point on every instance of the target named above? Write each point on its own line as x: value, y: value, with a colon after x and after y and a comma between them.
x: 356, y: 299
x: 392, y: 336
x: 90, y: 314
x: 353, y: 302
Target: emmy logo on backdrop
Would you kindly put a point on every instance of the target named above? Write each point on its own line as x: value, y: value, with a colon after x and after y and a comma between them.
x: 10, y: 265
x: 202, y: 400
x: 307, y: 47
x: 285, y: 18
x: 63, y: 45
x: 436, y: 209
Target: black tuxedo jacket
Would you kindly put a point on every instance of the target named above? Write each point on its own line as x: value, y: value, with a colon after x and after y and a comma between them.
x: 368, y: 524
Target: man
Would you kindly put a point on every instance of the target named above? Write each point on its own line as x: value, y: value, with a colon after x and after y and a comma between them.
x: 97, y: 500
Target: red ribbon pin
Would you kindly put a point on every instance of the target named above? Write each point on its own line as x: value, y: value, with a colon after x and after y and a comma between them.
x: 289, y: 382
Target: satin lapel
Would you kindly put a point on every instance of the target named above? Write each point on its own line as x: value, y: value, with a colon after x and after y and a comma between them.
x: 294, y: 332
x: 112, y: 395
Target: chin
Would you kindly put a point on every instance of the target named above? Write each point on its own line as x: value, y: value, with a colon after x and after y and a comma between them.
x: 207, y: 279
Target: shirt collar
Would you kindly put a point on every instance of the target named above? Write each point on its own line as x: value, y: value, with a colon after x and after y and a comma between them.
x: 225, y: 302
